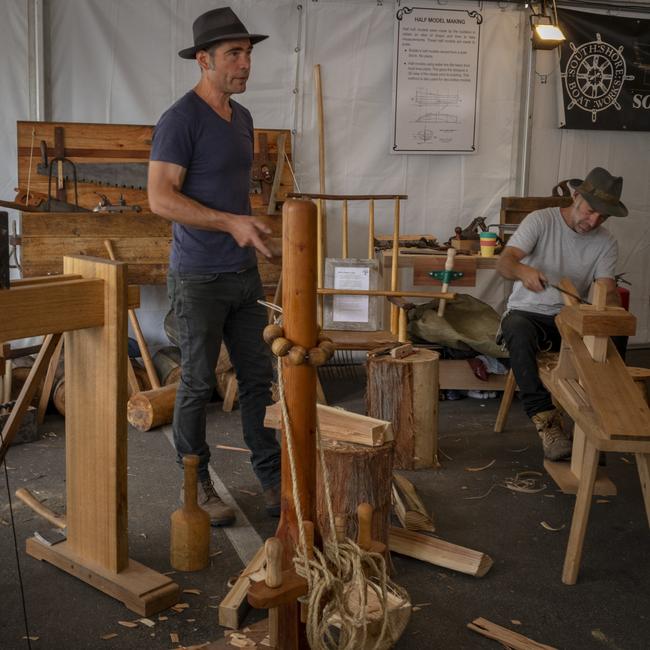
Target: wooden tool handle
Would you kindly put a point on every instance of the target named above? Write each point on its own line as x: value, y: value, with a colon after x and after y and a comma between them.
x: 30, y: 500
x: 142, y: 344
x: 190, y: 476
x: 364, y: 515
x: 273, y: 550
x: 449, y: 266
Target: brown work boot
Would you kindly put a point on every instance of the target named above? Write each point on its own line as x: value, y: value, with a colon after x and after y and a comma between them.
x: 556, y: 443
x: 272, y: 500
x: 220, y: 513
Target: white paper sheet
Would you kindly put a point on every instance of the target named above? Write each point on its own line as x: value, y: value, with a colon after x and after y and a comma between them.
x: 351, y: 309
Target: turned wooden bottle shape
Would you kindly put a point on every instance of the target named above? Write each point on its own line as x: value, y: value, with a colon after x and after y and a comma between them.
x: 190, y: 526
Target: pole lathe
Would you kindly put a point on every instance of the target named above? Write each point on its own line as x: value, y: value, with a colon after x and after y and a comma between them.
x: 299, y: 274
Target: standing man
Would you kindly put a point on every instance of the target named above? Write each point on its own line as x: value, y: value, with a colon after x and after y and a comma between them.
x: 549, y: 245
x: 199, y: 178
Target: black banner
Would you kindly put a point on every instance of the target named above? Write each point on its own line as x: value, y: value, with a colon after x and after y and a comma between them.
x: 605, y: 68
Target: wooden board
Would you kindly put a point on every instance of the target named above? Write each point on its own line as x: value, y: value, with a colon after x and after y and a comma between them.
x: 568, y: 482
x: 439, y: 552
x: 141, y: 589
x: 515, y: 208
x: 141, y: 239
x: 339, y: 424
x: 456, y: 374
x: 422, y: 265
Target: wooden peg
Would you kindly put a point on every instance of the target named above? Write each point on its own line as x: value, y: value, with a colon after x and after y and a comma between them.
x: 273, y: 550
x: 364, y: 515
x: 309, y: 538
x: 339, y: 528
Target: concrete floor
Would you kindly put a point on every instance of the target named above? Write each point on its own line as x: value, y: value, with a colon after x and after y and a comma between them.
x: 607, y: 609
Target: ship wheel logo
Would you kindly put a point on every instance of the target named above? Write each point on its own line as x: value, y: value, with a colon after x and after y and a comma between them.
x: 594, y: 76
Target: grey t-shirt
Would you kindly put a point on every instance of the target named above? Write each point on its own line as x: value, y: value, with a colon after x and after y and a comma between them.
x: 559, y: 252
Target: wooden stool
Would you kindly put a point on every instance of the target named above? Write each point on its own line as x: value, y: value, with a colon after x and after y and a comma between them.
x: 548, y: 360
x: 593, y: 385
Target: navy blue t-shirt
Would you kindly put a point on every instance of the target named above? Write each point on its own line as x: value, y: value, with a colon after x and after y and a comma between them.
x: 218, y: 156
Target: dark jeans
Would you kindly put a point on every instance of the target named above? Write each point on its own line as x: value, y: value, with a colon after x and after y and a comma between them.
x: 210, y: 308
x: 525, y: 334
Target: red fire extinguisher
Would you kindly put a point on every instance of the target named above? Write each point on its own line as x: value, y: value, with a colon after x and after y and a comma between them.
x: 624, y: 294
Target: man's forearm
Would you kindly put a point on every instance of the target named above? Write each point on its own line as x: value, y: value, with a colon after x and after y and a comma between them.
x: 175, y: 206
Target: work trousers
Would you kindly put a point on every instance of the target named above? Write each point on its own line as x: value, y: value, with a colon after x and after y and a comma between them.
x: 210, y: 308
x: 526, y: 334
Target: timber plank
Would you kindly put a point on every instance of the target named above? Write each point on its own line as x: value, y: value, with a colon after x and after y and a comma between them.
x: 439, y: 552
x: 107, y: 225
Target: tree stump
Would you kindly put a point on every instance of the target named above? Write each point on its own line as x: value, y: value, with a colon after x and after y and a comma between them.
x: 405, y: 392
x: 357, y: 474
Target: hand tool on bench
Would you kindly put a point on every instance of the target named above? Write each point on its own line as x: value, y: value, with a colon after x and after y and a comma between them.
x: 144, y: 350
x: 582, y: 301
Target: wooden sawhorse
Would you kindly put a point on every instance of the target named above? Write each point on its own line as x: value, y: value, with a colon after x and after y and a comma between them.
x: 89, y: 303
x: 594, y: 387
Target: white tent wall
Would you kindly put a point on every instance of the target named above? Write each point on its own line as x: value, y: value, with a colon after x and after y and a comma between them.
x: 116, y: 61
x: 558, y: 154
x: 14, y: 105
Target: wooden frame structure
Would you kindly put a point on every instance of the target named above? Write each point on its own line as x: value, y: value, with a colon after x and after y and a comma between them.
x: 398, y: 322
x: 89, y: 303
x: 594, y: 387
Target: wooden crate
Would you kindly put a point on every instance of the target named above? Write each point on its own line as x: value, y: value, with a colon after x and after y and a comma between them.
x: 141, y: 239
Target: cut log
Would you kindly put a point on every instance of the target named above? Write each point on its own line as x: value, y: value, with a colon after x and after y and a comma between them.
x: 405, y: 393
x: 339, y: 424
x: 437, y: 551
x: 357, y: 474
x: 151, y: 408
x: 58, y: 396
x: 167, y: 362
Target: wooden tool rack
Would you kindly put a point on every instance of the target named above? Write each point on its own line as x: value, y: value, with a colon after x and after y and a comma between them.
x: 89, y: 303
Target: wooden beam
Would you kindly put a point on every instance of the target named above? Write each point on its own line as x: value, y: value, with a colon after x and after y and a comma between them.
x: 437, y: 551
x: 51, y: 308
x: 340, y: 424
x: 586, y: 320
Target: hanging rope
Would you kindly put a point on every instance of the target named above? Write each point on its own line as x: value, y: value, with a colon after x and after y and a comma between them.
x: 339, y: 578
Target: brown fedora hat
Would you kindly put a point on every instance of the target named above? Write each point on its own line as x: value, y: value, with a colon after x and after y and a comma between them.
x: 214, y: 26
x: 602, y: 191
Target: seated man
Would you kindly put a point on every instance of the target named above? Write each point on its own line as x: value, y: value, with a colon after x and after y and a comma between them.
x: 551, y: 244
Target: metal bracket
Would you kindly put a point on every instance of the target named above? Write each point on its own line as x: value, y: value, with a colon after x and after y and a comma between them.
x: 446, y: 276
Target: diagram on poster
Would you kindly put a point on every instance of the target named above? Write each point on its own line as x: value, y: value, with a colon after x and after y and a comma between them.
x: 435, y: 80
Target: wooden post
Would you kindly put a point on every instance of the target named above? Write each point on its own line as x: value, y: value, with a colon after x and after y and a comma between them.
x: 344, y: 229
x: 394, y: 325
x: 299, y: 305
x: 96, y: 548
x: 405, y: 392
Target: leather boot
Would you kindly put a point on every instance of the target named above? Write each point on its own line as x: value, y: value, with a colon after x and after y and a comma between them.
x: 556, y: 443
x: 220, y: 513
